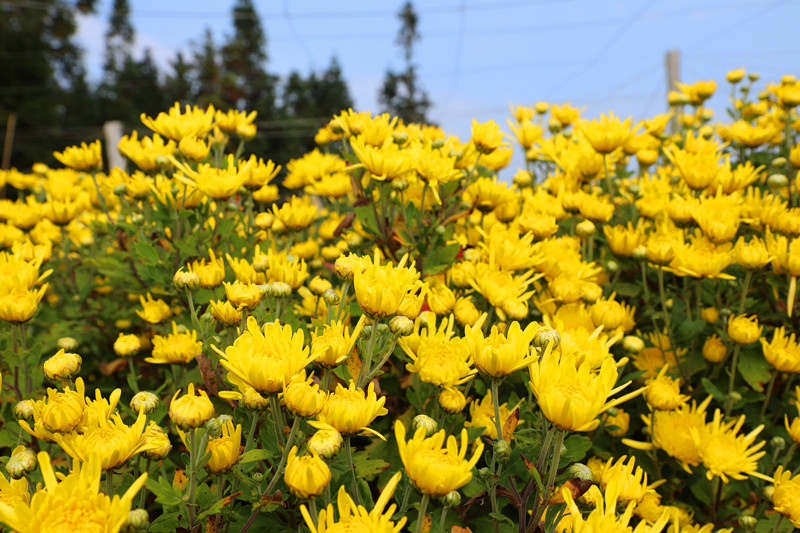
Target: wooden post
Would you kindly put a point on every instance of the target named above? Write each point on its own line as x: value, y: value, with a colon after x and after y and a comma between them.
x: 673, y: 66
x: 8, y: 142
x: 112, y: 131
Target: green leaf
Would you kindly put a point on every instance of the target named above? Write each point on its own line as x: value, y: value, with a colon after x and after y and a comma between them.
x: 754, y: 369
x: 164, y: 492
x: 254, y: 455
x: 166, y: 523
x: 629, y: 290
x: 366, y: 216
x: 366, y: 494
x: 577, y: 446
x: 712, y: 389
x: 146, y: 252
x: 440, y: 258
x: 690, y: 329
x: 367, y: 468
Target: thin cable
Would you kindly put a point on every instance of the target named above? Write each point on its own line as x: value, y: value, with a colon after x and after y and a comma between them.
x: 459, y: 48
x: 606, y: 47
x: 288, y: 17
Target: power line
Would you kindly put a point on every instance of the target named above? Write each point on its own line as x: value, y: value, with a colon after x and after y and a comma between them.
x: 287, y: 16
x: 606, y: 47
x: 459, y: 47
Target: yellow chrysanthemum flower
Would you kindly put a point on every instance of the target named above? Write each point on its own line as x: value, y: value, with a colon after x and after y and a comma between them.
x: 355, y: 518
x: 73, y: 504
x: 723, y: 452
x: 501, y: 354
x: 351, y: 410
x: 306, y: 476
x: 783, y: 352
x: 145, y: 151
x: 218, y: 183
x: 176, y: 125
x: 225, y: 313
x: 573, y: 396
x: 153, y: 311
x: 117, y: 441
x: 265, y: 358
x: 177, y: 347
x: 334, y: 344
x: 211, y: 272
x: 437, y: 357
x: 296, y: 213
x: 786, y: 496
x: 630, y: 479
x: 302, y: 396
x: 13, y: 491
x: 481, y: 414
x: 83, y: 157
x: 190, y: 411
x: 224, y: 449
x: 18, y: 305
x: 435, y: 470
x: 381, y: 289
x: 243, y: 295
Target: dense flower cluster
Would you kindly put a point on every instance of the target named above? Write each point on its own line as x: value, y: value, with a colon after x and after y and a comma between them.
x: 403, y: 306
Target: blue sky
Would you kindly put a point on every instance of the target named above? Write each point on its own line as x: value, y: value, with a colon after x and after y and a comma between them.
x: 478, y: 56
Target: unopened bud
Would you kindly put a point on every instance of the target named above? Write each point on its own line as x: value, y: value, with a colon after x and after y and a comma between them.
x: 261, y: 263
x: 734, y: 397
x: 207, y: 317
x: 438, y: 143
x: 383, y: 328
x: 632, y: 344
x: 778, y: 162
x: 24, y: 410
x: 585, y: 228
x: 778, y: 443
x: 121, y: 189
x: 144, y: 401
x: 326, y: 442
x: 264, y: 220
x: 502, y: 450
x: 452, y: 499
x: 138, y: 520
x: 484, y: 472
x: 401, y: 325
x: 185, y: 281
x: 62, y: 366
x: 612, y: 266
x: 640, y: 253
x: 162, y: 161
x: 612, y: 411
x: 748, y: 522
x: 281, y: 289
x: 753, y: 76
x: 366, y: 331
x: 400, y: 183
x: 21, y: 463
x: 253, y: 400
x: 424, y: 421
x: 580, y: 471
x: 67, y: 344
x: 258, y: 477
x: 330, y: 297
x: 634, y: 188
x: 214, y: 427
x: 769, y: 490
x: 472, y: 255
x: 776, y: 181
x: 545, y: 336
x: 319, y: 285
x: 399, y: 137
x: 137, y: 218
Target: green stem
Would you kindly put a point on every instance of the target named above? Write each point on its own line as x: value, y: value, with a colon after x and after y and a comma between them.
x: 349, y: 453
x: 277, y: 417
x: 745, y: 286
x: 312, y: 507
x: 134, y: 375
x: 143, y: 493
x: 440, y: 528
x: 767, y: 397
x: 496, y: 400
x: 383, y: 360
x: 193, y: 460
x: 343, y: 300
x: 276, y: 476
x: 662, y: 293
x: 109, y: 483
x: 609, y: 184
x: 367, y: 360
x: 776, y: 527
x: 551, y: 477
x: 732, y: 378
x: 789, y: 455
x: 423, y: 506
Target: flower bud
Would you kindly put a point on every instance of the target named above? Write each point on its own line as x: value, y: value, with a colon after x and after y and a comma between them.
x: 714, y: 349
x: 748, y: 522
x: 400, y: 183
x: 545, y: 336
x: 366, y: 331
x: 585, y: 228
x: 162, y: 161
x: 280, y: 289
x: 330, y: 297
x: 207, y: 317
x: 121, y: 189
x: 127, y: 345
x: 709, y: 314
x: 472, y: 255
x: 138, y: 519
x: 326, y: 443
x: 144, y: 401
x: 319, y: 285
x: 639, y: 253
x: 522, y: 178
x: 734, y: 397
x: 401, y: 326
x: 502, y: 451
x: 484, y: 472
x: 24, y: 410
x: 214, y: 426
x: 452, y: 400
x: 185, y: 281
x: 778, y: 162
x: 258, y: 477
x: 67, y: 344
x: 424, y: 421
x: 778, y: 443
x: 21, y: 463
x: 580, y: 471
x: 452, y: 499
x: 776, y: 181
x: 753, y: 76
x: 253, y: 400
x: 632, y: 344
x: 612, y: 266
x: 62, y: 366
x: 769, y: 490
x: 399, y: 137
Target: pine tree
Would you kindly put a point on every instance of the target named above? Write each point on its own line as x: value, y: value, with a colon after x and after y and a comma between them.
x: 401, y: 94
